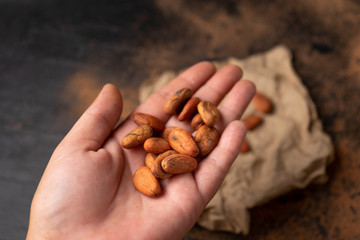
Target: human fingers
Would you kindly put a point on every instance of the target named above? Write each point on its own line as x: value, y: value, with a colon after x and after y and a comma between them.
x: 212, y: 170
x: 215, y: 89
x: 219, y: 85
x: 97, y: 122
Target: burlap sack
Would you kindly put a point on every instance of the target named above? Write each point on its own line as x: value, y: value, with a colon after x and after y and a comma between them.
x: 289, y: 150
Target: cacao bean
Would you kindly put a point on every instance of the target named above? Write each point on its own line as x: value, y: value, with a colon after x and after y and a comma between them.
x: 137, y: 136
x: 252, y: 121
x: 206, y: 138
x: 179, y: 98
x: 156, y: 167
x: 208, y: 112
x: 156, y: 145
x: 147, y: 119
x: 189, y: 109
x: 166, y: 132
x: 146, y: 183
x: 244, y: 148
x: 262, y: 103
x: 182, y: 142
x: 197, y: 121
x: 178, y: 163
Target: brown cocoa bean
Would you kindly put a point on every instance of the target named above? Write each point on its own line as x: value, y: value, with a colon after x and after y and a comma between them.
x: 166, y: 132
x: 137, y: 136
x: 206, y: 138
x: 147, y: 119
x: 179, y: 98
x: 252, y: 121
x: 178, y: 163
x: 262, y: 103
x: 244, y: 148
x: 182, y: 142
x: 189, y: 109
x: 156, y: 145
x: 155, y: 165
x: 208, y: 112
x: 150, y: 159
x: 197, y: 121
x: 146, y: 183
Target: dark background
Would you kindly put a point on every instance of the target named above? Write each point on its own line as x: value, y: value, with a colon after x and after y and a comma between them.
x: 56, y: 55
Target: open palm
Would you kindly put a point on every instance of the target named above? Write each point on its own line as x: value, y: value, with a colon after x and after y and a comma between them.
x: 86, y: 191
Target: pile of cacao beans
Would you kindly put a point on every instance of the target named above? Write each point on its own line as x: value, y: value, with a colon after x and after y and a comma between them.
x: 172, y: 150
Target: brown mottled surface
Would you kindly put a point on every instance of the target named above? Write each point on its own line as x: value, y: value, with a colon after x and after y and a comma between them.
x: 56, y: 55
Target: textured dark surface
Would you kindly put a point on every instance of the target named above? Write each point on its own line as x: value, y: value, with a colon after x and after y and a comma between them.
x: 56, y: 55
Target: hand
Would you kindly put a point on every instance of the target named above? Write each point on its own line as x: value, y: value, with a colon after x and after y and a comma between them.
x: 86, y: 191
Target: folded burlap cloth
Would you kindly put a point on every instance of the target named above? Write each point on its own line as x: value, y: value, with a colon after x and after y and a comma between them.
x: 288, y: 150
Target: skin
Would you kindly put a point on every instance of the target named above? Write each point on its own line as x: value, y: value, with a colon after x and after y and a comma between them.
x: 86, y: 191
